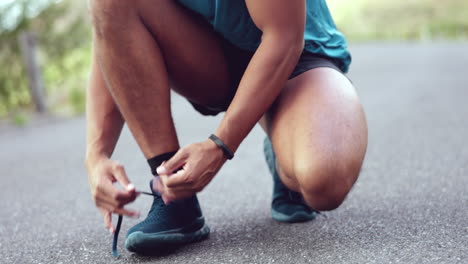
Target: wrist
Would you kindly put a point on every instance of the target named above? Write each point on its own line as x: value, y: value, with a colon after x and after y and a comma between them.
x: 215, y: 148
x: 93, y: 158
x: 226, y: 135
x: 228, y: 153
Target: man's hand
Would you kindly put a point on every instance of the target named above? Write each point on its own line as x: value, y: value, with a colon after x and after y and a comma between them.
x: 189, y: 171
x: 102, y: 174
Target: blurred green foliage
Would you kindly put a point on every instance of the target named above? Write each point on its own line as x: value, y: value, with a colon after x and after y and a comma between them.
x: 64, y: 37
x: 363, y: 20
x: 20, y: 118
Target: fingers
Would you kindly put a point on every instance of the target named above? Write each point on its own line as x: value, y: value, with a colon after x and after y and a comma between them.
x: 107, y: 215
x: 180, y: 178
x: 124, y: 197
x: 160, y: 184
x: 107, y: 194
x: 200, y: 164
x: 126, y: 212
x: 108, y: 220
x: 171, y: 194
x: 175, y: 187
x: 177, y: 161
x: 107, y: 197
x: 119, y: 173
x: 161, y: 188
x: 120, y: 199
x: 129, y: 194
x: 112, y: 200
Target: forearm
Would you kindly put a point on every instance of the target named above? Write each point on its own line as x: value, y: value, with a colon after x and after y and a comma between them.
x: 263, y: 80
x: 103, y: 119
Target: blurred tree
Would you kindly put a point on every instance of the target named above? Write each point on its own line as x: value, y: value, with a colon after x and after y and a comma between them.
x: 64, y: 40
x: 63, y: 33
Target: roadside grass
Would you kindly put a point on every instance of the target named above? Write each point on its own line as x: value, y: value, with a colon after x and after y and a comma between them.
x: 369, y: 20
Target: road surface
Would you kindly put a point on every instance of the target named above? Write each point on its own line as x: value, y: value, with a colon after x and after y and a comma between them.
x: 410, y: 204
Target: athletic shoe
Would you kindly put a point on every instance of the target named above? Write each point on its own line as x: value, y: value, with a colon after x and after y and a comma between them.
x: 287, y: 206
x: 167, y: 226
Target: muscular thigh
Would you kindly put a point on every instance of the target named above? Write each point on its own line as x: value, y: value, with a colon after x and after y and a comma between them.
x: 317, y: 123
x: 192, y: 51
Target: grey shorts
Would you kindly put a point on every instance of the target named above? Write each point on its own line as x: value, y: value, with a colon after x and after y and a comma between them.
x: 238, y: 60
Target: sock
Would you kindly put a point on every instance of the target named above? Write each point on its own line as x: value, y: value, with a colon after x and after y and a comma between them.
x: 155, y: 162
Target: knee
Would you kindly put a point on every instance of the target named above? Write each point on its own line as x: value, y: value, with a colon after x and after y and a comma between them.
x: 108, y: 15
x: 325, y: 184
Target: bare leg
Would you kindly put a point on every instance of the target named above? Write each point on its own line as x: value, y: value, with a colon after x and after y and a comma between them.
x: 140, y: 45
x: 319, y: 134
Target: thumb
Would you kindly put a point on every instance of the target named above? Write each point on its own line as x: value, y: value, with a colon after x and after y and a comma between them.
x: 173, y: 164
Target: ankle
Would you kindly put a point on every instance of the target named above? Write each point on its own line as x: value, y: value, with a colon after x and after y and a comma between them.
x: 156, y: 161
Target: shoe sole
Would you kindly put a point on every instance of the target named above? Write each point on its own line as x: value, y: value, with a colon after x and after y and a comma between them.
x: 153, y: 243
x: 297, y: 217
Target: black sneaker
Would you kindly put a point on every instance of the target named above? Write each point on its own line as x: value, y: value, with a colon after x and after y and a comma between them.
x: 168, y: 226
x: 286, y: 206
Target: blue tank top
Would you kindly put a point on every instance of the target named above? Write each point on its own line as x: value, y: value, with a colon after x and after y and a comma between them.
x: 231, y: 19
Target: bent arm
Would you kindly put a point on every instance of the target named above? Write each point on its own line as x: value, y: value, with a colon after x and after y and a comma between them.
x: 103, y: 119
x: 282, y: 23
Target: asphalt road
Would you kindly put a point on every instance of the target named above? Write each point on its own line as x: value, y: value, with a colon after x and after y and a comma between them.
x: 410, y: 204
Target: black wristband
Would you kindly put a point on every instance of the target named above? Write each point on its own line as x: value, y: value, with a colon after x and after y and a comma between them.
x: 227, y: 152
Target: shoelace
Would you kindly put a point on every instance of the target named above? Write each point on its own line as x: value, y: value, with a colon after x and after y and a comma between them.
x: 116, y: 237
x: 117, y: 229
